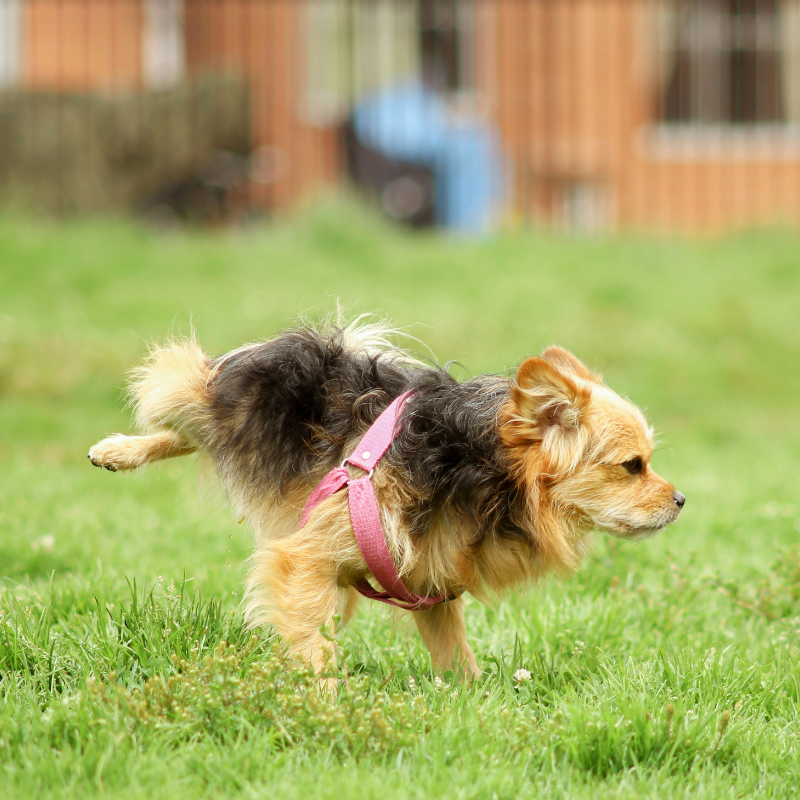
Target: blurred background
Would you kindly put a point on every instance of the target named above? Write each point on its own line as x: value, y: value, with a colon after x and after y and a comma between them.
x: 583, y: 116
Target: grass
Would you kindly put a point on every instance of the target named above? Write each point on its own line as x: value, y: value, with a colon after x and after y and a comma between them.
x: 669, y: 668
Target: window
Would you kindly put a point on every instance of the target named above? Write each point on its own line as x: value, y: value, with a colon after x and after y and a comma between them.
x: 163, y: 54
x: 446, y: 34
x: 730, y: 62
x: 354, y: 47
x: 9, y: 42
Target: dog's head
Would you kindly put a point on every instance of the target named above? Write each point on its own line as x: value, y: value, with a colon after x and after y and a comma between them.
x: 586, y: 448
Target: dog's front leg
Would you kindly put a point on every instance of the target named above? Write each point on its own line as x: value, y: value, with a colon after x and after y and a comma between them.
x: 443, y: 630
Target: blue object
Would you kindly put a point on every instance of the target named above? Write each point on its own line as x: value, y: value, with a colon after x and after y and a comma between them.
x: 411, y: 123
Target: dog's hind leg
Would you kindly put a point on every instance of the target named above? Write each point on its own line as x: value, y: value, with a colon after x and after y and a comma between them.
x: 444, y: 631
x: 294, y: 587
x: 121, y: 452
x: 170, y: 395
x: 295, y: 582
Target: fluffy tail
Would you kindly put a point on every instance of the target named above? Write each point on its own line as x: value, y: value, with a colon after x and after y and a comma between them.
x: 169, y: 395
x: 169, y: 390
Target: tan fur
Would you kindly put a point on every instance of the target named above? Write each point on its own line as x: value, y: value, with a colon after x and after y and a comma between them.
x: 566, y: 436
x: 168, y: 393
x: 444, y: 631
x: 120, y: 452
x: 169, y: 390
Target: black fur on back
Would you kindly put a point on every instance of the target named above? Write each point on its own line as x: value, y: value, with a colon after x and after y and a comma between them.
x: 285, y: 410
x: 449, y: 452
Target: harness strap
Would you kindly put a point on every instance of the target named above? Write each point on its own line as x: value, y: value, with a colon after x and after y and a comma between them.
x: 365, y: 515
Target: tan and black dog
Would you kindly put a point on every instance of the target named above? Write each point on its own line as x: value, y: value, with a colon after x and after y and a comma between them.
x: 489, y: 483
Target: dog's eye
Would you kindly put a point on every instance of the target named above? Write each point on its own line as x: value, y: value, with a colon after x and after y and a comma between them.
x: 634, y: 466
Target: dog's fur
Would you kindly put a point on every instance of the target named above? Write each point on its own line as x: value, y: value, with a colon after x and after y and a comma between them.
x: 489, y: 483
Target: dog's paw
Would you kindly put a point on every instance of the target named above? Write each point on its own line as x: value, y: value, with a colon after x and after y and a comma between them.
x: 106, y: 454
x: 98, y: 463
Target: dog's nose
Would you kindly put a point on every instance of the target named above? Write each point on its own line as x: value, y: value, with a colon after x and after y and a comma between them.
x: 679, y: 499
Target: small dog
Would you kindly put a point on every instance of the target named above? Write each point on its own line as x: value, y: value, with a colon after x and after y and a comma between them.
x: 488, y: 483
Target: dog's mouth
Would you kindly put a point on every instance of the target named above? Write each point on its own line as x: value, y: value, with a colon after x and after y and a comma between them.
x: 623, y: 529
x: 634, y: 534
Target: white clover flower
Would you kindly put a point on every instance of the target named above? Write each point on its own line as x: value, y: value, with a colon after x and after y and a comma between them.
x: 522, y: 675
x: 44, y: 543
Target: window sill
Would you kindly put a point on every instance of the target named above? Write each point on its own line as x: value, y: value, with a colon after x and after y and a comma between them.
x: 696, y: 142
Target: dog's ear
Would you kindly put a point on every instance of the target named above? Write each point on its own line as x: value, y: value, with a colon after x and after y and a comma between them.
x: 547, y: 397
x: 567, y: 362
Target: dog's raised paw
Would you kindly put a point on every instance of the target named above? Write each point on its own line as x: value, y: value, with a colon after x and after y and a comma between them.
x: 98, y: 460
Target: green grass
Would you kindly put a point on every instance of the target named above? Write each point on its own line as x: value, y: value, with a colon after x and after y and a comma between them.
x: 668, y: 668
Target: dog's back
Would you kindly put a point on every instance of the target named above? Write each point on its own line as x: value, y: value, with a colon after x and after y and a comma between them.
x: 271, y: 411
x: 283, y: 411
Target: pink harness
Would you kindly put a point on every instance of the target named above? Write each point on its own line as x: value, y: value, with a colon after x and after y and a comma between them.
x: 364, y: 513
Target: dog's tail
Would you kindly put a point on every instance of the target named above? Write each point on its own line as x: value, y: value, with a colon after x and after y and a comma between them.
x: 169, y: 393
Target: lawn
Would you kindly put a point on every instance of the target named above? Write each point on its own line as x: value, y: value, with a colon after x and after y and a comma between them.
x: 666, y: 668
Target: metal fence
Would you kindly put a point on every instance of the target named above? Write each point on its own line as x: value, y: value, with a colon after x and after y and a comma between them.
x: 582, y: 115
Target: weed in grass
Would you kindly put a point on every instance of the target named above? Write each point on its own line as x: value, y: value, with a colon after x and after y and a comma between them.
x: 237, y: 691
x: 776, y: 595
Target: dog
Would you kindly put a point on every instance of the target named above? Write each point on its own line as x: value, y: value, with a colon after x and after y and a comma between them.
x: 487, y: 484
